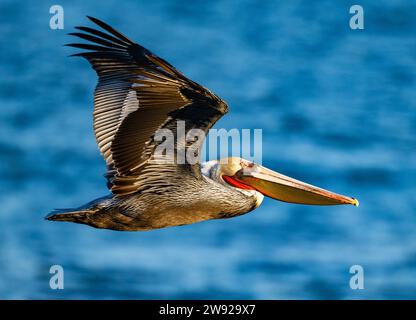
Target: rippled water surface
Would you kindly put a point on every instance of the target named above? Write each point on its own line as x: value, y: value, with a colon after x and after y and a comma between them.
x: 337, y: 109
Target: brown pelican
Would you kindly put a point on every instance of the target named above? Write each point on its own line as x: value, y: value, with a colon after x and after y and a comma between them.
x: 137, y: 94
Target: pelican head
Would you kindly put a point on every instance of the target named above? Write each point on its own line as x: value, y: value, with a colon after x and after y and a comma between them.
x: 250, y: 177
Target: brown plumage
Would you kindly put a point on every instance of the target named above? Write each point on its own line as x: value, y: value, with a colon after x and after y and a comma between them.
x: 137, y: 94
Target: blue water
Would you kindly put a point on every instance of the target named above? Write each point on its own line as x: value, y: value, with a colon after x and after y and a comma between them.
x: 337, y: 109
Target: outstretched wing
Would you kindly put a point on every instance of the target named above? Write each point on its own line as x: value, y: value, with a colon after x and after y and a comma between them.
x: 137, y: 94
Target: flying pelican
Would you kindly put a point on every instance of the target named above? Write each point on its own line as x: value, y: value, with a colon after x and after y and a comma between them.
x: 137, y: 94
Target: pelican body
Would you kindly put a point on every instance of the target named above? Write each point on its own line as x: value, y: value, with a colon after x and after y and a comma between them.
x: 139, y: 93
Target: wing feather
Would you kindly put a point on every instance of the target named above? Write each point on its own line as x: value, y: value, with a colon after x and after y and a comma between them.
x: 137, y: 94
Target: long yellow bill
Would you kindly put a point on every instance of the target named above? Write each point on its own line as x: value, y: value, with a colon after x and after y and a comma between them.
x: 284, y: 188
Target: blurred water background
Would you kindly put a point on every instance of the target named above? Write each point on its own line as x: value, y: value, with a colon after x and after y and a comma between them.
x: 337, y: 109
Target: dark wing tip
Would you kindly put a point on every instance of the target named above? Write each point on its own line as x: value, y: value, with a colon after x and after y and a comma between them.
x: 93, y: 19
x: 110, y: 29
